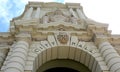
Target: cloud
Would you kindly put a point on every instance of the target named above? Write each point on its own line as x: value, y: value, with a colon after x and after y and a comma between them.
x: 61, y: 1
x: 13, y: 8
x: 8, y: 10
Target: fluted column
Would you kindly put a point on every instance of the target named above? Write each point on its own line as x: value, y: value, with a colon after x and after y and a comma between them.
x: 37, y: 14
x: 81, y: 15
x: 28, y: 13
x: 73, y: 13
x: 110, y: 55
x: 17, y: 57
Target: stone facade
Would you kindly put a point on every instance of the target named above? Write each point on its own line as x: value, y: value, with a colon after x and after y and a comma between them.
x: 46, y: 32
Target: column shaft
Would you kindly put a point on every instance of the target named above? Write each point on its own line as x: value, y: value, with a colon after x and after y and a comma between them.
x: 110, y: 55
x: 17, y: 57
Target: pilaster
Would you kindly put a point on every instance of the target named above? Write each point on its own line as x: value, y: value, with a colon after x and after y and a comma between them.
x: 80, y: 14
x: 37, y: 14
x: 28, y: 13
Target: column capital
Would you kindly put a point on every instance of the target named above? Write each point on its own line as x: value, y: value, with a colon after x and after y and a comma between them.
x: 100, y: 39
x: 24, y: 37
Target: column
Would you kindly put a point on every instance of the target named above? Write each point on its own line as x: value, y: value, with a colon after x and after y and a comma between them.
x: 37, y: 14
x: 17, y: 57
x: 3, y: 53
x: 80, y: 13
x: 73, y: 13
x: 28, y: 13
x: 110, y: 56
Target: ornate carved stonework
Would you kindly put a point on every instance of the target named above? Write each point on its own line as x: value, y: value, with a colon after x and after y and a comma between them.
x: 44, y: 33
x: 63, y: 38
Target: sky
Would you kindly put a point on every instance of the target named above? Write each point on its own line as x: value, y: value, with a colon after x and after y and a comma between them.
x: 104, y: 11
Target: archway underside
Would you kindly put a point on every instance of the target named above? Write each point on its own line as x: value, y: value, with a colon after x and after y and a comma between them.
x: 65, y: 64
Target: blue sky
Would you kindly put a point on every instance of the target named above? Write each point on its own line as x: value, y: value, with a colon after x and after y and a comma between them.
x: 105, y: 11
x: 10, y: 9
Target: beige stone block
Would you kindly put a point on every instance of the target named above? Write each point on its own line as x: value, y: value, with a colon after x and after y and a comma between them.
x: 45, y: 44
x: 105, y: 47
x: 28, y: 67
x: 78, y: 54
x: 74, y: 41
x: 94, y: 66
x: 40, y: 60
x: 14, y: 66
x: 49, y: 54
x: 101, y: 68
x: 108, y: 51
x: 91, y: 62
x: 99, y: 58
x: 27, y: 71
x: 52, y: 41
x: 20, y: 50
x: 98, y: 69
x: 113, y: 61
x: 36, y: 62
x: 44, y: 56
x: 83, y: 57
x: 63, y: 52
x: 12, y: 70
x: 103, y: 44
x: 20, y: 46
x: 32, y: 54
x: 118, y: 70
x: 80, y: 44
x: 54, y: 52
x: 30, y: 58
x: 17, y: 59
x: 18, y: 54
x: 115, y: 67
x: 87, y: 60
x: 29, y: 63
x: 110, y: 56
x: 72, y: 53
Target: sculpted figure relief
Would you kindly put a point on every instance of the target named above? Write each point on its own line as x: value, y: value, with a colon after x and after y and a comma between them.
x: 59, y: 16
x: 63, y: 38
x: 55, y: 17
x: 73, y: 19
x: 46, y: 19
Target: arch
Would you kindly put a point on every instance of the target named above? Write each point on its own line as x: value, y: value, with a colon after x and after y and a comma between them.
x: 63, y: 63
x: 92, y: 60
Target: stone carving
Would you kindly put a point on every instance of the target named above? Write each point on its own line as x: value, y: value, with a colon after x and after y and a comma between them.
x: 62, y: 38
x: 59, y: 16
x: 73, y: 19
x: 45, y: 19
x: 56, y: 16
